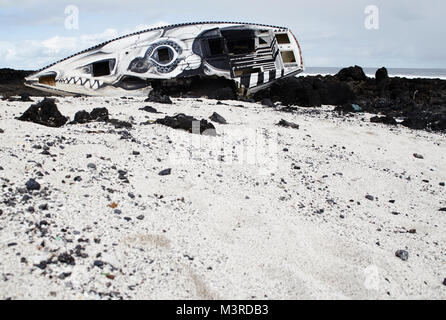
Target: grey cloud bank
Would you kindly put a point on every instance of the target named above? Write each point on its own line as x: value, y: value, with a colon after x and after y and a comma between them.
x: 332, y: 33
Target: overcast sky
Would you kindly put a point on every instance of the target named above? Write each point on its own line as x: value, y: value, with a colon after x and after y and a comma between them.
x: 410, y: 34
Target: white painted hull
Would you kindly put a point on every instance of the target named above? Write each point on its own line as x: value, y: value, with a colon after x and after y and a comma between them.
x: 251, y: 55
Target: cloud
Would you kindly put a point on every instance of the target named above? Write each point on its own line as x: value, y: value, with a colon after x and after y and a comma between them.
x: 331, y: 33
x: 35, y: 54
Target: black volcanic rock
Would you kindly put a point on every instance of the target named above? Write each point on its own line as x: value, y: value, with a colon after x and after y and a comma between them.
x: 45, y: 113
x: 351, y: 73
x: 308, y: 91
x: 99, y: 114
x: 384, y: 120
x: 224, y: 93
x: 381, y: 75
x: 217, y: 118
x: 149, y: 109
x: 402, y: 254
x: 81, y: 117
x: 347, y: 108
x: 157, y: 97
x: 32, y: 184
x: 287, y: 124
x: 188, y: 123
x: 415, y: 122
x: 12, y: 84
x: 165, y: 172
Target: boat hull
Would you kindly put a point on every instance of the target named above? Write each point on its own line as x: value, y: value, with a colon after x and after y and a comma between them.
x: 251, y: 55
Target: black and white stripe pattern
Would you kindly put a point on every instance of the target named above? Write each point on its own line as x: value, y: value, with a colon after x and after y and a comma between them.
x: 258, y: 79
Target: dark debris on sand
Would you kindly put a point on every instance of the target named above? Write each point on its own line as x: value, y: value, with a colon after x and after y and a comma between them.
x: 45, y: 113
x: 188, y: 123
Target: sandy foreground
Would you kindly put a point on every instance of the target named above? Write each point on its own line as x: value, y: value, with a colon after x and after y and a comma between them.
x: 257, y: 212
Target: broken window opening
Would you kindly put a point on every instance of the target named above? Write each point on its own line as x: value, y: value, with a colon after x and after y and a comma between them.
x: 48, y: 80
x: 101, y: 68
x: 216, y: 47
x: 164, y: 55
x: 282, y: 38
x: 288, y: 56
x: 263, y: 40
x: 245, y: 71
x: 242, y: 46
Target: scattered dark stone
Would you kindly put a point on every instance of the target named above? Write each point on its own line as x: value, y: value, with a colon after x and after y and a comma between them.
x: 136, y: 153
x: 348, y: 108
x: 81, y: 117
x: 402, y: 254
x: 66, y: 258
x: 165, y: 172
x: 286, y: 124
x: 78, y: 178
x: 442, y: 210
x: 89, y: 156
x: 99, y: 114
x: 43, y: 207
x: 2, y: 131
x: 149, y: 109
x: 91, y: 166
x: 128, y: 219
x: 444, y: 281
x: 384, y: 120
x: 351, y: 73
x: 119, y: 124
x: 188, y: 123
x: 24, y: 97
x: 32, y: 184
x: 98, y: 263
x: 42, y: 265
x: 369, y: 197
x: 44, y: 113
x: 217, y: 118
x: 64, y: 275
x: 418, y: 156
x: 267, y: 102
x: 140, y: 217
x: 158, y: 97
x: 441, y: 184
x: 117, y: 211
x: 131, y: 195
x: 12, y: 244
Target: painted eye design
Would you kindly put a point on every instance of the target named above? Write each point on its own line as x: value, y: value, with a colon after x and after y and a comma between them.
x: 164, y: 55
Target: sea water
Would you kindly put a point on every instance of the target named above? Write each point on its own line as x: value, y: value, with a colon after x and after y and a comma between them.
x: 393, y: 72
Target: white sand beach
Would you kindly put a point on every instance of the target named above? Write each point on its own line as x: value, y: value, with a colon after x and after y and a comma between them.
x: 230, y: 221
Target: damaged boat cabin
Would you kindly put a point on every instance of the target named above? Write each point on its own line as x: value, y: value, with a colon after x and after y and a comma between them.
x: 251, y: 55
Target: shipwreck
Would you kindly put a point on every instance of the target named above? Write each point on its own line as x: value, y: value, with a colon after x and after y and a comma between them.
x: 251, y: 55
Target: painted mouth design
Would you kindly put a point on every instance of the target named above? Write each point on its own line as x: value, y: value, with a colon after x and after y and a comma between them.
x: 87, y: 83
